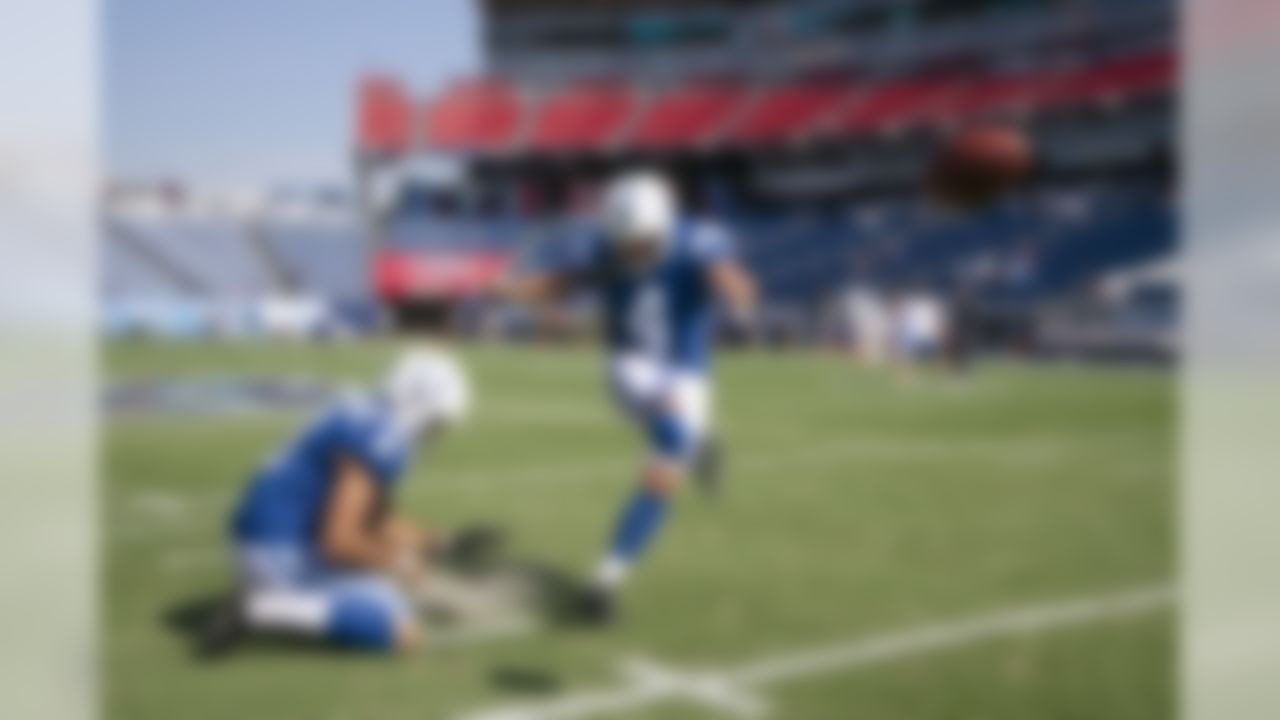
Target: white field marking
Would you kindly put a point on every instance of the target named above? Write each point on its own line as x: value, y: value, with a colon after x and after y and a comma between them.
x: 730, y: 690
x: 707, y: 689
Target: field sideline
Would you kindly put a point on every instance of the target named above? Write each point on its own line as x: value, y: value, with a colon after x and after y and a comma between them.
x: 860, y: 505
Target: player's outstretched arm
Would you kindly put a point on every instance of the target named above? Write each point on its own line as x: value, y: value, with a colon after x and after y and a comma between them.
x: 345, y: 537
x: 534, y: 288
x: 735, y: 289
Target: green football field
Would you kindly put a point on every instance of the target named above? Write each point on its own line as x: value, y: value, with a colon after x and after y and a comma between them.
x: 888, y: 549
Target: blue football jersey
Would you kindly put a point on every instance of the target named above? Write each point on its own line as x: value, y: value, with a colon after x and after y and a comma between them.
x: 666, y: 311
x: 285, y: 498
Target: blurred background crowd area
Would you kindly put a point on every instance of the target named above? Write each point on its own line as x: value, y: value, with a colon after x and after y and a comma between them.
x: 805, y: 127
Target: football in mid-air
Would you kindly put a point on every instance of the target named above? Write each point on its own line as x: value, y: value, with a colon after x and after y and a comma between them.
x: 978, y: 164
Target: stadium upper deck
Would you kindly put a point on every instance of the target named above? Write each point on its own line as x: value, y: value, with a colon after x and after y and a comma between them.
x: 652, y: 75
x: 552, y: 41
x: 499, y: 116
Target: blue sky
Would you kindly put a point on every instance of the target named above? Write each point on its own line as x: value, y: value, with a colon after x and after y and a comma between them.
x: 260, y: 92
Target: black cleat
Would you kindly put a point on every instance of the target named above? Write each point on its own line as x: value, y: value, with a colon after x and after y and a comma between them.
x: 708, y: 468
x: 595, y: 606
x: 223, y: 631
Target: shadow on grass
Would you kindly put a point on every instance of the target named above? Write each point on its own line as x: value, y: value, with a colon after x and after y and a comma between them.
x: 553, y: 592
x: 190, y: 618
x: 524, y: 680
x: 550, y: 593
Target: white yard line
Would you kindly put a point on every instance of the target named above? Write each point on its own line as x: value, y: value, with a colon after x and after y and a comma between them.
x: 732, y: 690
x: 940, y: 636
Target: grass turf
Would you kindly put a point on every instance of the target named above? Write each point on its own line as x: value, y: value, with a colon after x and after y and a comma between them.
x: 859, y: 503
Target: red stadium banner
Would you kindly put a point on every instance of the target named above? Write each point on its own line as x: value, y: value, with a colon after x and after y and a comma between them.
x: 401, y: 275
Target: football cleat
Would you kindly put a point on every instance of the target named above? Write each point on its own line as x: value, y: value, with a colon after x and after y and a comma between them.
x: 224, y: 630
x: 595, y: 606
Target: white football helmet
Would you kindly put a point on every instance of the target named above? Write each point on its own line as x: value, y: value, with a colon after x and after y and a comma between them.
x: 426, y: 389
x: 639, y: 208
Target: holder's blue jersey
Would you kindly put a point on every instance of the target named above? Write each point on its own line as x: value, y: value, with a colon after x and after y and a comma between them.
x: 285, y: 499
x: 666, y: 311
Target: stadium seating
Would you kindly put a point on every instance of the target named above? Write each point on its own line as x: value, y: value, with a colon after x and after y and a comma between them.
x: 328, y: 260
x: 687, y: 116
x: 1018, y: 93
x: 423, y: 232
x: 1136, y: 75
x: 1047, y: 90
x: 384, y: 117
x: 1036, y: 244
x: 586, y: 116
x: 798, y: 257
x: 212, y: 257
x: 894, y: 105
x: 480, y: 115
x: 126, y: 275
x: 789, y: 112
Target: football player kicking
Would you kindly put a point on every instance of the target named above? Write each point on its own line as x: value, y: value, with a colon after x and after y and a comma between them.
x: 320, y: 552
x: 658, y: 277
